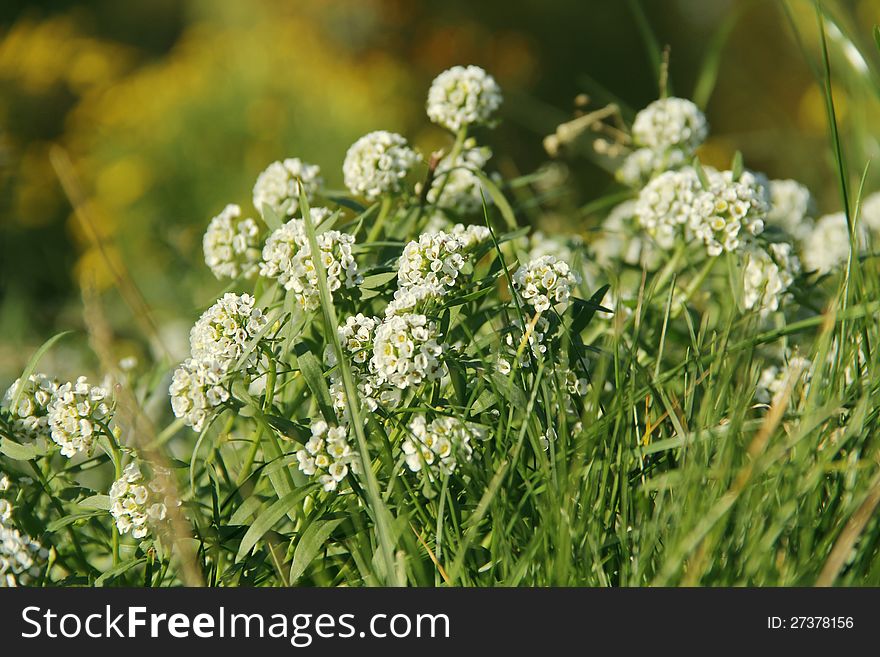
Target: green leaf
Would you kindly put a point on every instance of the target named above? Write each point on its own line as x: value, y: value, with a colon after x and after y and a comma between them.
x: 704, y: 179
x: 736, y: 166
x: 246, y: 510
x: 310, y: 544
x: 18, y: 452
x: 498, y: 199
x: 314, y: 378
x: 378, y: 280
x: 32, y: 364
x: 273, y: 221
x: 61, y: 523
x: 116, y: 571
x: 96, y: 502
x: 582, y: 311
x: 268, y: 518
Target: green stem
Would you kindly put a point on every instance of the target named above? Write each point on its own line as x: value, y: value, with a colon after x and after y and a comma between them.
x: 457, y: 147
x: 384, y: 209
x: 271, y: 377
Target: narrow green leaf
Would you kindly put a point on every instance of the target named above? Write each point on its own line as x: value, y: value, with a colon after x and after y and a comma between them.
x: 268, y: 518
x: 116, y: 571
x: 314, y: 377
x: 310, y: 544
x: 498, y: 199
x: 18, y: 452
x: 96, y: 502
x: 736, y: 166
x: 63, y: 522
x: 273, y: 221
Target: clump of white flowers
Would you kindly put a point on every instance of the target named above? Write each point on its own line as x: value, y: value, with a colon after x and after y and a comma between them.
x: 667, y: 205
x: 232, y: 244
x: 463, y: 96
x: 544, y: 282
x: 456, y: 185
x: 406, y: 351
x: 328, y: 455
x: 218, y: 341
x: 440, y: 444
x: 768, y: 275
x: 223, y: 331
x: 21, y: 557
x: 670, y: 123
x: 415, y: 298
x: 377, y: 164
x: 677, y: 204
x: 75, y: 415
x: 827, y: 246
x: 139, y: 504
x: 29, y: 418
x: 196, y: 390
x: 436, y: 259
x: 278, y: 185
x: 773, y: 379
x: 791, y: 208
x: 287, y: 256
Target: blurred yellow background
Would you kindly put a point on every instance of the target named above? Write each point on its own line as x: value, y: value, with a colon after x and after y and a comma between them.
x: 169, y: 110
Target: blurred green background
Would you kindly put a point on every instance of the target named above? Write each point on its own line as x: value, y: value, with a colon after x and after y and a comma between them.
x: 169, y: 109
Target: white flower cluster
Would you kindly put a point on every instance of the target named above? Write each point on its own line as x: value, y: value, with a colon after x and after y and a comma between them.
x: 544, y: 282
x: 139, y: 504
x: 791, y: 208
x: 463, y: 96
x: 74, y: 414
x: 439, y: 444
x: 870, y: 212
x: 827, y: 246
x: 670, y: 123
x: 675, y: 204
x: 30, y: 417
x: 434, y: 261
x: 218, y: 340
x: 774, y: 378
x: 21, y: 557
x: 328, y: 455
x: 278, y: 188
x: 196, y: 389
x: 406, y: 351
x: 287, y: 256
x: 223, y: 331
x: 768, y: 275
x: 666, y: 133
x: 232, y: 244
x: 377, y: 163
x: 456, y: 185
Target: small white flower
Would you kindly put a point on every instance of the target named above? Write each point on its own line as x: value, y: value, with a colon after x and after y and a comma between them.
x: 796, y: 372
x: 791, y: 208
x: 232, y: 244
x: 544, y: 282
x: 435, y: 261
x: 277, y: 186
x: 22, y: 558
x: 30, y: 417
x: 827, y: 246
x: 197, y: 389
x: 440, y: 444
x: 73, y: 414
x: 139, y: 504
x: 405, y: 351
x: 767, y: 276
x: 463, y: 96
x: 224, y: 330
x: 328, y: 455
x: 377, y: 163
x: 670, y: 123
x: 287, y: 256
